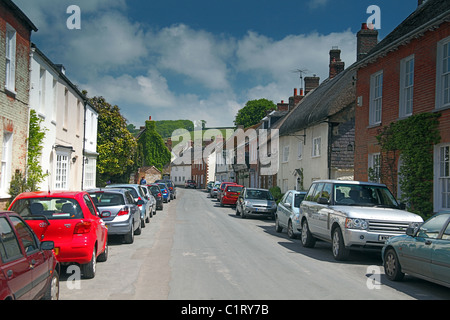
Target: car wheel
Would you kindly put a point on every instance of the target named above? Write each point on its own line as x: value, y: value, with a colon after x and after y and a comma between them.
x: 278, y: 228
x: 340, y: 252
x: 104, y: 255
x: 392, y: 267
x: 290, y: 230
x: 308, y: 241
x: 52, y: 292
x: 129, y: 237
x: 88, y: 269
x: 237, y: 211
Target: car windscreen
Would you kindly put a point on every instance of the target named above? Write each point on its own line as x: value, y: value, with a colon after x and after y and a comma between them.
x: 155, y: 190
x: 106, y: 199
x: 51, y: 208
x: 162, y: 187
x: 259, y: 194
x: 364, y: 195
x: 298, y: 198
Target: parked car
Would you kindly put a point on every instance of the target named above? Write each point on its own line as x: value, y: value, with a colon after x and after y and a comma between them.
x: 287, y: 215
x: 71, y: 221
x: 171, y: 186
x: 190, y: 184
x: 119, y: 211
x: 28, y: 268
x: 138, y: 194
x: 352, y: 215
x: 209, y: 186
x: 231, y: 194
x: 165, y: 191
x: 256, y: 202
x: 150, y: 198
x: 424, y: 252
x: 222, y: 188
x: 214, y: 190
x: 156, y: 191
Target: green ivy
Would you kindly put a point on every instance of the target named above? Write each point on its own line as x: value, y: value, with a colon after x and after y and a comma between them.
x: 413, y: 139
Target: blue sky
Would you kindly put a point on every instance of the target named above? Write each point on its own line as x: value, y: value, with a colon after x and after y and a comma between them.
x: 199, y: 59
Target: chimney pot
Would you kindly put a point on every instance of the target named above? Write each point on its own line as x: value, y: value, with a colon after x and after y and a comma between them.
x: 367, y: 39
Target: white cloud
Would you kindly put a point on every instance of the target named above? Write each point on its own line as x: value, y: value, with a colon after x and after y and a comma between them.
x: 314, y: 4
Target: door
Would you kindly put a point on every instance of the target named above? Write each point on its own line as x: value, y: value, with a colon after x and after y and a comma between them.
x: 441, y: 257
x: 14, y: 265
x: 323, y: 212
x: 98, y: 224
x: 36, y: 258
x: 313, y: 210
x: 285, y: 206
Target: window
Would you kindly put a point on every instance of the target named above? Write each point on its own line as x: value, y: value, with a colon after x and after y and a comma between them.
x: 10, y: 82
x: 300, y: 151
x: 5, y: 173
x: 9, y: 246
x: 406, y: 86
x: 42, y: 91
x: 25, y: 235
x: 316, y: 147
x: 62, y: 171
x: 432, y: 227
x: 286, y: 154
x: 443, y: 74
x: 376, y: 98
x: 444, y: 177
x: 374, y: 167
x: 89, y: 173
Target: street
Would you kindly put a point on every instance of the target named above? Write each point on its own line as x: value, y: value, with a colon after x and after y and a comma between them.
x: 196, y: 250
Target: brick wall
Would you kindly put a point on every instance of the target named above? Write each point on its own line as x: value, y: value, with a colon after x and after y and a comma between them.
x: 425, y: 51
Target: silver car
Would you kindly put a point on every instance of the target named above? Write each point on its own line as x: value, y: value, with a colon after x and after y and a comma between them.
x: 352, y: 215
x: 256, y: 202
x: 138, y: 193
x: 119, y: 211
x: 288, y: 213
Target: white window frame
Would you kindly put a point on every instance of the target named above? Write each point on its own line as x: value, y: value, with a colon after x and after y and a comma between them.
x: 442, y: 174
x: 285, y: 153
x: 10, y: 45
x: 443, y: 74
x: 375, y: 164
x: 6, y: 164
x: 406, y: 103
x: 316, y: 147
x: 90, y: 165
x: 376, y: 98
x: 62, y: 168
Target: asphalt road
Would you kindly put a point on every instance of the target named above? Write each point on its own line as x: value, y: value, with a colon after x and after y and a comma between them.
x: 196, y: 250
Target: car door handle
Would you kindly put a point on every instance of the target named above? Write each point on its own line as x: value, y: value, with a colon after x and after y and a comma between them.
x: 428, y: 242
x: 9, y: 274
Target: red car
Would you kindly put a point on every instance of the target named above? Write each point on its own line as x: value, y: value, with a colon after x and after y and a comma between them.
x: 230, y: 194
x: 221, y: 189
x: 71, y: 221
x: 28, y: 267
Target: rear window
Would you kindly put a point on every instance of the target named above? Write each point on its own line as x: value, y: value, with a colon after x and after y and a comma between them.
x: 105, y: 199
x: 234, y: 189
x: 51, y: 208
x: 259, y: 194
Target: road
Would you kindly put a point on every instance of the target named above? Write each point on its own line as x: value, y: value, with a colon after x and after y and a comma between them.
x: 196, y: 250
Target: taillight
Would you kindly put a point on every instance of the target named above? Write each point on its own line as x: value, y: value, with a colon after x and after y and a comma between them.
x: 124, y: 212
x: 159, y: 195
x: 139, y: 205
x: 82, y: 227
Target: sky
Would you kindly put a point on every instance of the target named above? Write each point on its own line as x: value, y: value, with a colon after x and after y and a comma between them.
x: 198, y: 59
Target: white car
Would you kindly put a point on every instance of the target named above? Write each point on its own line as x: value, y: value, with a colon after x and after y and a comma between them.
x: 288, y: 213
x: 352, y: 215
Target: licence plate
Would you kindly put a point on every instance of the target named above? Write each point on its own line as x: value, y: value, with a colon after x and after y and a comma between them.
x: 383, y: 237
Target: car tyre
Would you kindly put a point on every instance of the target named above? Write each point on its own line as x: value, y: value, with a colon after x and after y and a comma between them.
x: 392, y: 267
x: 340, y: 252
x: 278, y: 228
x: 104, y: 255
x: 290, y: 230
x: 237, y: 211
x: 308, y: 241
x: 129, y: 237
x: 88, y: 269
x: 52, y: 292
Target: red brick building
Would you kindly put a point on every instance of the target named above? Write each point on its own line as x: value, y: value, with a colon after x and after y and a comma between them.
x: 406, y: 74
x: 15, y: 47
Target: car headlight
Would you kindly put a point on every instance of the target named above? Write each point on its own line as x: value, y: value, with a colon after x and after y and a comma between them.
x: 248, y: 204
x: 356, y: 223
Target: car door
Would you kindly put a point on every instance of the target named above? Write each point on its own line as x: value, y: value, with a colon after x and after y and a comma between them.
x: 36, y: 258
x: 285, y: 206
x: 14, y: 264
x: 313, y: 210
x: 99, y: 224
x: 323, y: 211
x: 441, y: 256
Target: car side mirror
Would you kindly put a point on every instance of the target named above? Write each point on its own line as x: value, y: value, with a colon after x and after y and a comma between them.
x: 323, y: 200
x: 47, y: 245
x: 140, y: 202
x: 402, y: 206
x: 411, y: 231
x: 287, y: 204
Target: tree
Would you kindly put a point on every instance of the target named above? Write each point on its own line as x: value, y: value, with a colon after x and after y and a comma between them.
x: 115, y: 144
x: 153, y: 148
x: 253, y: 112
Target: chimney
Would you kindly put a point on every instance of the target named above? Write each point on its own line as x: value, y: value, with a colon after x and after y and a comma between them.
x: 150, y: 118
x: 295, y: 99
x: 311, y: 83
x: 283, y: 106
x: 367, y: 39
x: 336, y: 64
